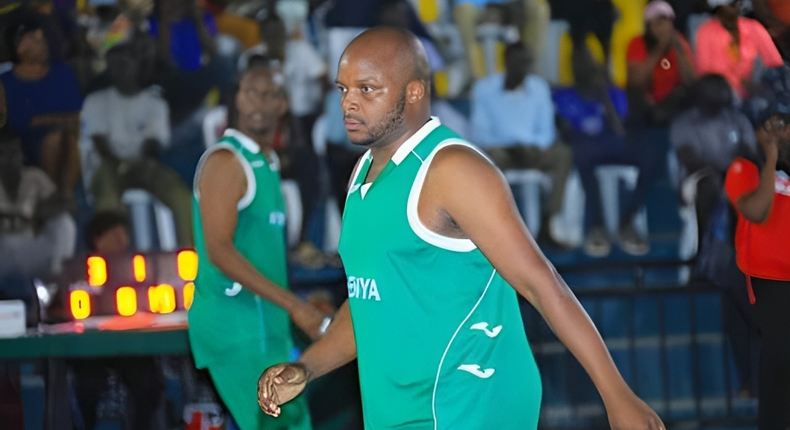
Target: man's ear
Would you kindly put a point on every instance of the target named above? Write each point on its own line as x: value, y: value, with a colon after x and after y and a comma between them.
x: 415, y: 91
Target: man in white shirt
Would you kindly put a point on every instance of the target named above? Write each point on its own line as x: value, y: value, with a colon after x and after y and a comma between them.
x: 513, y: 121
x: 128, y: 125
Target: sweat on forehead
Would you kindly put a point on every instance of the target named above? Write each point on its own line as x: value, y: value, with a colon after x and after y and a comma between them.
x: 394, y: 50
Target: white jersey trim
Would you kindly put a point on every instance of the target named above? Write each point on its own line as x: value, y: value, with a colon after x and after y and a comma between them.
x: 449, y: 344
x: 423, y: 232
x: 249, y: 195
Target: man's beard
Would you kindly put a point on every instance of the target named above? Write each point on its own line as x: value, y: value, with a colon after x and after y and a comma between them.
x: 383, y: 133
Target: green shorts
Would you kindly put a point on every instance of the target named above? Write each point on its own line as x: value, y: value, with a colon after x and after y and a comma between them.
x: 236, y: 380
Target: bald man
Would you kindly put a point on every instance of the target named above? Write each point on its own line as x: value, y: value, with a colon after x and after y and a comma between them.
x: 435, y: 252
x: 239, y: 318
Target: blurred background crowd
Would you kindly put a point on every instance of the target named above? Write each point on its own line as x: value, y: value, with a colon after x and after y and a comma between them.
x: 107, y: 105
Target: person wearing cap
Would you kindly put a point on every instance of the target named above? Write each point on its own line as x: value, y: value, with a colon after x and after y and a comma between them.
x: 728, y: 44
x: 660, y: 66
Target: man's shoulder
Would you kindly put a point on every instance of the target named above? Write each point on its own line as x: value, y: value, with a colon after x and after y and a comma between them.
x: 489, y: 83
x: 534, y: 81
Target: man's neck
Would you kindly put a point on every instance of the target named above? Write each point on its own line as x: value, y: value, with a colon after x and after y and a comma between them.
x: 382, y: 154
x: 264, y: 141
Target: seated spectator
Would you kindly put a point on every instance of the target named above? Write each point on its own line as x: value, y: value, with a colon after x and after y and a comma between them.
x: 44, y: 100
x: 591, y: 114
x: 660, y: 67
x: 707, y: 138
x: 513, y: 121
x: 128, y: 126
x: 36, y: 232
x: 107, y: 235
x: 728, y: 44
x: 243, y: 29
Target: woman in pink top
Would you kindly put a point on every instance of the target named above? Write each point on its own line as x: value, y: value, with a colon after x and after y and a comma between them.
x: 729, y: 44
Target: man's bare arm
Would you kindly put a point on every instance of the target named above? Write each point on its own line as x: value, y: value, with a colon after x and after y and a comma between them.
x: 222, y: 184
x: 281, y: 383
x: 337, y: 348
x: 476, y: 197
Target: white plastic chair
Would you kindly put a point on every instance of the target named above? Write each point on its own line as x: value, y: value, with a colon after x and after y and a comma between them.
x: 293, y: 210
x: 141, y: 206
x: 609, y: 178
x: 530, y: 182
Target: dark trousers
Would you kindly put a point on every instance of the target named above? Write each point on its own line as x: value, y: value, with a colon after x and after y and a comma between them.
x: 589, y: 152
x: 300, y: 163
x: 773, y: 319
x: 141, y: 376
x: 740, y: 326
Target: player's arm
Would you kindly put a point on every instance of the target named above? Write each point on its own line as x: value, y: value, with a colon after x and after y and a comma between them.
x: 222, y: 184
x: 474, y: 195
x: 282, y: 382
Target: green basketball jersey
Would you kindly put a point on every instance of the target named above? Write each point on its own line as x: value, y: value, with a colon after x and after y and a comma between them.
x: 225, y: 316
x: 439, y: 334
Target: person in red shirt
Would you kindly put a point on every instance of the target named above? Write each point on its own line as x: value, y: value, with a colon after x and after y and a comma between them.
x: 728, y: 44
x: 660, y: 61
x: 761, y: 196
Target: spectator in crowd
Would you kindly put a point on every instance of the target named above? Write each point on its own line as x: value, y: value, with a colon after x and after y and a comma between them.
x: 587, y: 16
x: 43, y: 101
x: 185, y: 33
x: 36, y: 232
x: 513, y: 121
x: 660, y: 68
x: 591, y: 113
x: 707, y: 138
x: 468, y: 14
x: 728, y: 44
x: 303, y: 68
x: 128, y: 126
x: 242, y: 281
x: 186, y: 41
x: 761, y: 195
x: 243, y: 29
x: 107, y: 235
x: 775, y: 84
